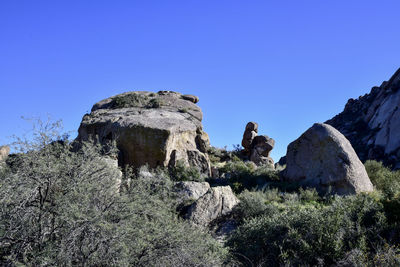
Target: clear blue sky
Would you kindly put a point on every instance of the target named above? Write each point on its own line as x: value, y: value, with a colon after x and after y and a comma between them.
x: 283, y: 64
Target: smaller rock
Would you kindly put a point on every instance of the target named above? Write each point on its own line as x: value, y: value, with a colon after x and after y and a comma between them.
x: 191, y: 98
x: 263, y: 144
x: 200, y: 160
x: 252, y: 126
x: 189, y: 190
x: 214, y: 172
x: 260, y: 160
x: 4, y: 152
x: 202, y: 141
x: 218, y: 201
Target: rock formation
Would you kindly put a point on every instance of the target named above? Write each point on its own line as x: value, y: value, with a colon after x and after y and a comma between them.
x: 217, y: 202
x: 323, y: 158
x: 372, y: 123
x: 4, y: 152
x: 250, y: 132
x: 257, y: 147
x: 157, y: 129
x: 190, y: 190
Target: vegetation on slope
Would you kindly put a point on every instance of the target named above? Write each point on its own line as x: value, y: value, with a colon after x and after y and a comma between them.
x: 61, y: 207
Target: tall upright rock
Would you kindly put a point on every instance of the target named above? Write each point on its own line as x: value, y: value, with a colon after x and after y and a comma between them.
x: 372, y: 123
x: 323, y: 158
x: 157, y: 129
x: 257, y: 148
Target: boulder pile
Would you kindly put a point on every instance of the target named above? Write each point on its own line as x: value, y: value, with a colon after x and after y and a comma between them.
x: 257, y: 147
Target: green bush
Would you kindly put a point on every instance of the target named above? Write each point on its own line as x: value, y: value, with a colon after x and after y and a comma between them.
x: 256, y: 203
x: 154, y: 103
x: 246, y: 175
x: 182, y: 172
x: 222, y: 155
x: 130, y: 100
x: 383, y: 178
x: 310, y: 235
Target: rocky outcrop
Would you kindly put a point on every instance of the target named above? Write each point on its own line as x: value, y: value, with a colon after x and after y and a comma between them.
x: 190, y: 190
x: 372, y: 123
x: 257, y: 147
x: 154, y: 129
x: 323, y: 158
x: 217, y: 202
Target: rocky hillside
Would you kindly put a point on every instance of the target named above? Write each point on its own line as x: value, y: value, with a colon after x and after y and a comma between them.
x: 372, y: 123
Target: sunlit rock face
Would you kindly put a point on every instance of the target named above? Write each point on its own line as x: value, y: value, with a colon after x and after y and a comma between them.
x: 323, y: 158
x: 154, y: 129
x: 372, y: 123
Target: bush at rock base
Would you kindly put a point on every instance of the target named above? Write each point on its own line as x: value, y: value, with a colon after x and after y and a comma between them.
x: 289, y: 232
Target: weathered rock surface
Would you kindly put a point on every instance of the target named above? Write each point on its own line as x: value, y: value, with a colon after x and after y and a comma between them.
x: 157, y: 129
x: 372, y: 123
x: 249, y: 134
x: 190, y: 190
x: 218, y: 201
x: 4, y: 152
x: 257, y: 147
x: 323, y: 158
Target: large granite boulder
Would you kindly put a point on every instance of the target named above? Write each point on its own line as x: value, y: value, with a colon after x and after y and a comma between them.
x: 372, y: 123
x: 4, y: 152
x: 323, y: 158
x: 154, y: 129
x: 218, y: 201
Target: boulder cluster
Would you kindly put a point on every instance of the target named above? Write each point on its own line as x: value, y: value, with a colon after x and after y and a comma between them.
x: 257, y: 148
x: 164, y: 128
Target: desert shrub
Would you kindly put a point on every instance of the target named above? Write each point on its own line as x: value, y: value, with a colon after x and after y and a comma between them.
x: 311, y: 235
x: 64, y: 208
x: 387, y: 255
x: 309, y: 195
x: 154, y: 103
x: 182, y: 172
x: 130, y: 100
x: 256, y: 203
x: 222, y: 155
x: 383, y: 178
x: 246, y: 175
